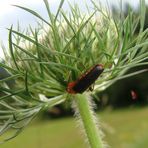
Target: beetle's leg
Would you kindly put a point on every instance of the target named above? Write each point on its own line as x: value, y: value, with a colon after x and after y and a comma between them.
x: 91, y: 88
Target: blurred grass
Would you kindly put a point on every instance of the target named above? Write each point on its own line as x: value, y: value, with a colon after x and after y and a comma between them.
x: 123, y: 129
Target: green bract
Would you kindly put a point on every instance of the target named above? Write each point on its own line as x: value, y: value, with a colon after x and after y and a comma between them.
x: 42, y: 62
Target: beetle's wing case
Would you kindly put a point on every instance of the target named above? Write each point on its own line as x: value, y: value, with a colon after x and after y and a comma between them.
x: 86, y: 80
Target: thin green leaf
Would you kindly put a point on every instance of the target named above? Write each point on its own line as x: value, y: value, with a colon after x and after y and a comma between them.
x: 59, y: 8
x: 34, y: 13
x: 11, y: 48
x: 142, y: 14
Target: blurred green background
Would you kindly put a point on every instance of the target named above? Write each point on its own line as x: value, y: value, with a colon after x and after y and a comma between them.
x: 124, y: 119
x: 126, y: 128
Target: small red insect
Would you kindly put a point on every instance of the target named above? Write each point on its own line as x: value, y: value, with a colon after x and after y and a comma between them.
x: 134, y: 95
x: 86, y: 80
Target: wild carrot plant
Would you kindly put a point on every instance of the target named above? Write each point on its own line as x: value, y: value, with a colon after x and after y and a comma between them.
x: 42, y: 61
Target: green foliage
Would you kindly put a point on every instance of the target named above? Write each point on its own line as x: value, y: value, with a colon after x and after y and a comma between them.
x: 43, y: 61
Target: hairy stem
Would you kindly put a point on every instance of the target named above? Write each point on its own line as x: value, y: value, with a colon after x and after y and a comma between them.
x: 86, y: 114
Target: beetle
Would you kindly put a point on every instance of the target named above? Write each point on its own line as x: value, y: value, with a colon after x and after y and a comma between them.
x: 85, y: 80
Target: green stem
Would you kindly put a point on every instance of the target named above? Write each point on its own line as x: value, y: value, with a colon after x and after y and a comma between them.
x: 88, y: 119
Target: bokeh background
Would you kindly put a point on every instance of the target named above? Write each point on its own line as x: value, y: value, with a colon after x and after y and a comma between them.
x: 122, y: 108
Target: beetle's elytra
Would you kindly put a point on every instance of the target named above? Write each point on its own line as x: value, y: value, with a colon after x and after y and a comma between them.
x: 86, y: 80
